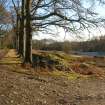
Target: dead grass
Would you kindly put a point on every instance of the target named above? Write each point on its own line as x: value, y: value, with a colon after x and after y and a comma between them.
x: 70, y: 75
x: 56, y: 64
x: 10, y: 58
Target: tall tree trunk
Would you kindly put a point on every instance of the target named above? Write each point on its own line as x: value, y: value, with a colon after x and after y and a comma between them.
x: 17, y: 33
x: 28, y: 51
x: 21, y: 30
x: 17, y: 25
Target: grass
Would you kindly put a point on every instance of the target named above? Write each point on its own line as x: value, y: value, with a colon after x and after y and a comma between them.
x: 10, y: 58
x: 58, y: 64
x: 10, y: 61
x: 70, y: 75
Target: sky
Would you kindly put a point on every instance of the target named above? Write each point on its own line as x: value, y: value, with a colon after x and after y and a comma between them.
x: 85, y: 35
x: 60, y: 35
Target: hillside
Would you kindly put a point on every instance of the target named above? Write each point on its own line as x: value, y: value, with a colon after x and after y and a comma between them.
x: 20, y: 86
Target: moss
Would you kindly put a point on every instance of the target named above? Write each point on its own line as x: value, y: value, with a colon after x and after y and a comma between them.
x: 52, y: 60
x: 66, y: 57
x: 70, y: 75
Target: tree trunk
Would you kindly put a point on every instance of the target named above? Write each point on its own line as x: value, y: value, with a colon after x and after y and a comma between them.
x: 21, y: 33
x: 28, y: 46
x: 17, y: 33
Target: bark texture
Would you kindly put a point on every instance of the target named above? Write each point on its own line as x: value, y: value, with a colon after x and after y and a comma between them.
x: 28, y: 45
x: 21, y: 33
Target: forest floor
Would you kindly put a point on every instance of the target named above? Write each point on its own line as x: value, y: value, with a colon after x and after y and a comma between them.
x: 20, y: 86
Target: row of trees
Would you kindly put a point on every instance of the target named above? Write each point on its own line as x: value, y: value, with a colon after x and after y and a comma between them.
x: 34, y: 16
x: 96, y: 44
x: 48, y: 45
x: 4, y: 17
x: 23, y: 29
x: 5, y: 22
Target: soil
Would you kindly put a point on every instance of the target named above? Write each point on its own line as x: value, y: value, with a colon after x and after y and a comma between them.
x: 24, y: 89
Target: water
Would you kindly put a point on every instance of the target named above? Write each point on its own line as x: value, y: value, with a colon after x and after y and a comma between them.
x: 97, y: 54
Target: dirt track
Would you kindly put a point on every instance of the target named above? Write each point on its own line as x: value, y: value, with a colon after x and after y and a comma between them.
x: 22, y: 89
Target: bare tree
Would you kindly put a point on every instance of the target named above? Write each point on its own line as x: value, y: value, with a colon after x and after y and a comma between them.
x: 16, y: 5
x: 28, y: 51
x: 41, y: 15
x: 21, y: 29
x: 71, y: 15
x: 5, y: 19
x: 4, y: 15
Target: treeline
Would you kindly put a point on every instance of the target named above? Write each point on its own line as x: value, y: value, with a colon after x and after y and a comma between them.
x: 49, y: 45
x: 95, y: 44
x: 5, y: 29
x: 7, y: 40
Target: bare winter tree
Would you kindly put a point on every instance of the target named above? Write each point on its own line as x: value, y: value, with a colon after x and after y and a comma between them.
x: 17, y: 12
x: 5, y: 19
x: 4, y: 15
x: 28, y: 45
x: 21, y: 29
x: 41, y: 15
x: 71, y: 15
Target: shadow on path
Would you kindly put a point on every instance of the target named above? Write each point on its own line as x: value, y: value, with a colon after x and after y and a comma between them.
x: 10, y: 58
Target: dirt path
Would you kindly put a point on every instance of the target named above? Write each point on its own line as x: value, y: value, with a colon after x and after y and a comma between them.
x: 23, y: 89
x: 10, y: 58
